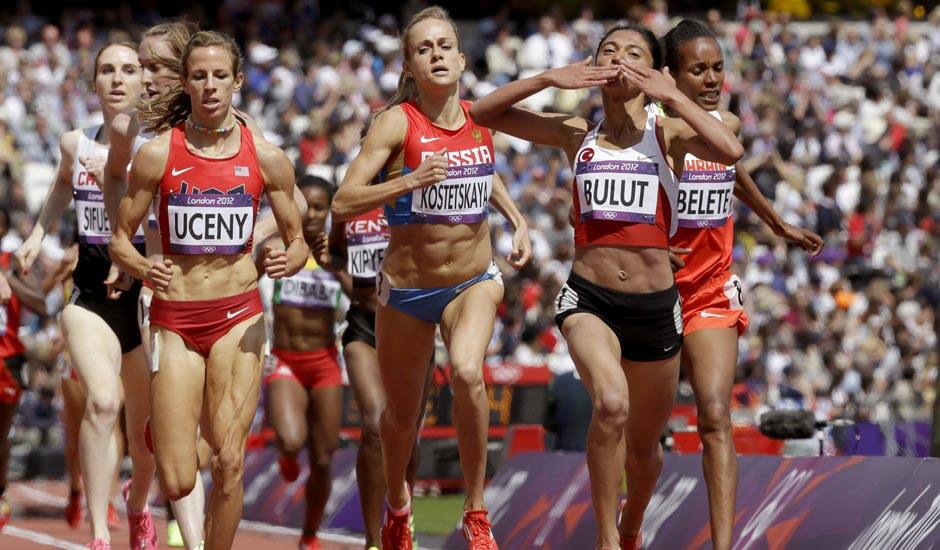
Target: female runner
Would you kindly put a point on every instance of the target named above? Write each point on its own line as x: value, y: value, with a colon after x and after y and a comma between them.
x: 437, y: 168
x: 101, y: 335
x: 207, y: 174
x: 305, y: 393
x: 619, y: 310
x: 16, y: 292
x: 712, y: 296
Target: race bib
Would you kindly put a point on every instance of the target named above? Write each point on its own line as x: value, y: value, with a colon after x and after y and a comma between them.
x: 365, y: 255
x: 461, y: 198
x: 705, y: 198
x: 618, y: 190
x: 92, y: 218
x: 309, y: 289
x: 209, y: 223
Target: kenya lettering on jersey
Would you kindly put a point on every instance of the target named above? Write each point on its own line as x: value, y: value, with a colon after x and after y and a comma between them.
x: 618, y: 190
x: 208, y: 206
x: 311, y: 288
x: 366, y: 241
x: 462, y: 198
x: 705, y: 192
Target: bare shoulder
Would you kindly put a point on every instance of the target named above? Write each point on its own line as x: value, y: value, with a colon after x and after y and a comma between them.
x: 731, y: 121
x: 153, y: 155
x: 249, y: 123
x: 389, y: 128
x: 275, y: 165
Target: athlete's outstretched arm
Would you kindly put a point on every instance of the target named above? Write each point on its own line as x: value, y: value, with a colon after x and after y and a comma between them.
x: 357, y: 195
x: 521, y: 244
x: 496, y: 110
x: 57, y: 200
x: 144, y: 181
x: 29, y: 291
x: 279, y: 186
x: 121, y: 141
x: 748, y: 192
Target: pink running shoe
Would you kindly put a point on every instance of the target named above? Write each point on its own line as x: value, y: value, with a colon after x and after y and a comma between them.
x: 143, y: 532
x: 99, y: 544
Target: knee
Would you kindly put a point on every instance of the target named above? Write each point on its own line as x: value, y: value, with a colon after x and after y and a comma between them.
x: 229, y: 463
x: 322, y: 458
x: 103, y: 407
x: 398, y: 419
x: 467, y: 373
x: 611, y: 407
x: 177, y: 483
x: 290, y: 444
x: 643, y: 459
x: 370, y: 428
x: 715, y: 420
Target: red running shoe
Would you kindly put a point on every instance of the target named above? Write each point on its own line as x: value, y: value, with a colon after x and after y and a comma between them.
x: 290, y: 468
x: 73, y: 510
x: 631, y: 543
x: 309, y: 543
x: 478, y: 530
x: 396, y: 533
x: 6, y: 512
x: 143, y: 531
x: 99, y: 544
x: 114, y: 520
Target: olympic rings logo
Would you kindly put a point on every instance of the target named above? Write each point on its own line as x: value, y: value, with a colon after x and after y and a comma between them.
x: 455, y: 219
x: 208, y: 249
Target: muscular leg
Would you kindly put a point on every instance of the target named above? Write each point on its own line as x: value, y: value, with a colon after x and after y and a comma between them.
x: 135, y: 373
x: 415, y: 462
x: 403, y: 342
x: 652, y: 393
x: 323, y: 418
x: 73, y: 397
x: 363, y: 368
x: 467, y: 327
x: 595, y: 351
x: 233, y: 378
x: 710, y: 357
x: 286, y: 404
x: 96, y: 356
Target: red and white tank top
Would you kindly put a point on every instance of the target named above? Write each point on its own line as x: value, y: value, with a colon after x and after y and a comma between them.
x: 366, y: 240
x: 209, y: 205
x: 624, y: 197
x: 706, y: 223
x: 94, y: 228
x: 462, y: 198
x: 10, y: 344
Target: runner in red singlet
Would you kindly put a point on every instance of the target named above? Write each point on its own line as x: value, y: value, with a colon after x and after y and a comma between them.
x: 16, y: 291
x: 205, y: 173
x: 712, y: 296
x: 619, y: 310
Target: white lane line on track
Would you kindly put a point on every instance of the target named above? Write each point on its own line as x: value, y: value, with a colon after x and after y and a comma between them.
x: 42, y: 497
x: 40, y: 538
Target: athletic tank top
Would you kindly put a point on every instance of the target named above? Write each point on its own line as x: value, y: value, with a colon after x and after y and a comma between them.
x: 207, y: 205
x: 462, y: 198
x: 10, y: 344
x: 366, y: 240
x: 310, y: 288
x: 624, y: 197
x: 94, y: 228
x: 705, y: 213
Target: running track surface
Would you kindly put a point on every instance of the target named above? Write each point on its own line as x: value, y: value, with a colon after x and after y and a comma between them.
x: 38, y: 522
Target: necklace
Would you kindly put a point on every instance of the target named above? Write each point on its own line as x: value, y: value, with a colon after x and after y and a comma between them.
x: 207, y: 130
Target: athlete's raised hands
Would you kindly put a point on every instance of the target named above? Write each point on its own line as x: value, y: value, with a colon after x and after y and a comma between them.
x: 657, y: 85
x: 583, y: 74
x: 431, y: 170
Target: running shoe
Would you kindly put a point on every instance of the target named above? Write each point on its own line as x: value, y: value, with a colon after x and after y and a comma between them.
x: 174, y: 537
x: 114, y: 520
x: 631, y: 543
x: 396, y: 533
x: 478, y: 530
x: 6, y: 511
x: 309, y: 543
x: 73, y: 510
x: 143, y: 532
x: 290, y: 468
x: 99, y: 544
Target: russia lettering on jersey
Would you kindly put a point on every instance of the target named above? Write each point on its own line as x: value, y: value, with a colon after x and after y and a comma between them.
x: 311, y: 288
x: 366, y: 242
x: 464, y: 196
x: 705, y: 193
x: 618, y: 190
x: 208, y: 206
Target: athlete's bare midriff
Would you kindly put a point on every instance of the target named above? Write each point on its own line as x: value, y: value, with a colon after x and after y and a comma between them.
x: 436, y: 255
x: 303, y: 329
x: 209, y: 277
x: 625, y: 269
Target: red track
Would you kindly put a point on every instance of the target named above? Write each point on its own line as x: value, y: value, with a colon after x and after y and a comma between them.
x: 38, y: 522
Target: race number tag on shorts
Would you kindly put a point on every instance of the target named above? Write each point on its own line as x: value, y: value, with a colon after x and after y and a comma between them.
x: 209, y: 223
x: 310, y: 289
x: 461, y: 198
x: 705, y: 195
x: 620, y: 190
